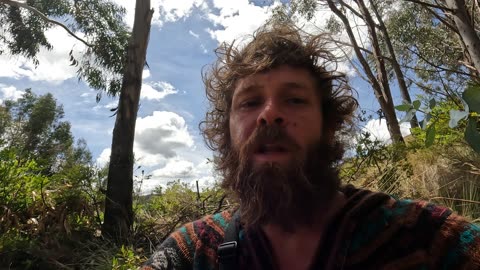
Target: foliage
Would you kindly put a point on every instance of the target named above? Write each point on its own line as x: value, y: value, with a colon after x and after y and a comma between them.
x: 34, y: 129
x: 376, y: 165
x: 49, y: 188
x: 126, y: 259
x: 52, y: 195
x: 101, y: 22
x: 448, y: 116
x: 427, y: 47
x: 445, y: 172
x: 21, y: 189
x: 166, y: 209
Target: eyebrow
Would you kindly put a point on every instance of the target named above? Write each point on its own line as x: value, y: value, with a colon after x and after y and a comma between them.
x: 254, y: 87
x: 248, y: 89
x: 294, y: 86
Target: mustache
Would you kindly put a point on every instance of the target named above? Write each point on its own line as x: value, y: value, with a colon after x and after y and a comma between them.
x: 269, y: 134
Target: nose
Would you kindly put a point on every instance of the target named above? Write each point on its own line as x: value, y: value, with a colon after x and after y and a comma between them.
x: 271, y: 114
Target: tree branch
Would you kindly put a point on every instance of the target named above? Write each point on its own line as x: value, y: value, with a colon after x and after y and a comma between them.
x: 442, y: 68
x: 352, y: 10
x: 43, y: 17
x: 220, y: 204
x: 429, y: 5
x: 445, y: 22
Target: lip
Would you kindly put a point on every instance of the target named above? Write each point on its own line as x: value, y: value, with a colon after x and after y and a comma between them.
x: 271, y: 157
x: 271, y: 152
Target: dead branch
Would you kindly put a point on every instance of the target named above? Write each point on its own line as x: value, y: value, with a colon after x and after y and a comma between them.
x: 220, y: 204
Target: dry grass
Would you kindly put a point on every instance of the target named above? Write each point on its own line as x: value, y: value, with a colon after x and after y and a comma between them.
x: 448, y: 176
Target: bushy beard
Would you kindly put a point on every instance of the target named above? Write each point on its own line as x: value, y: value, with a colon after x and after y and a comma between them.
x: 288, y: 195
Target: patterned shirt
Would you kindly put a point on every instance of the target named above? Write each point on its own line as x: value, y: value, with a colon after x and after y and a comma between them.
x: 373, y: 231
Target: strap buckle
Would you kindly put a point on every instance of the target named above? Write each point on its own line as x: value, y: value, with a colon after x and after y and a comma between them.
x: 227, y: 252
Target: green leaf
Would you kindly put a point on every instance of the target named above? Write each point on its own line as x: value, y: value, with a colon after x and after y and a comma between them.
x: 456, y: 116
x: 472, y: 136
x: 425, y: 121
x: 408, y: 116
x: 432, y: 103
x: 430, y: 138
x: 472, y: 96
x: 403, y: 107
x: 416, y: 104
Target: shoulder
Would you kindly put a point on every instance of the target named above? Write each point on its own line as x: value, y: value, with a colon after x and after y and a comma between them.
x: 193, y: 242
x: 379, y: 207
x: 457, y: 243
x: 418, y: 232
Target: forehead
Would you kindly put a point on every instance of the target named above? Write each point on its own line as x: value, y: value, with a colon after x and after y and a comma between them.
x: 284, y: 78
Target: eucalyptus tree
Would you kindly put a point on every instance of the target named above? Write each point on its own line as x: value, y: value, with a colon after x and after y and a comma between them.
x: 467, y: 28
x: 100, y: 22
x: 370, y: 61
x: 118, y: 206
x: 112, y: 63
x: 429, y: 49
x: 438, y: 42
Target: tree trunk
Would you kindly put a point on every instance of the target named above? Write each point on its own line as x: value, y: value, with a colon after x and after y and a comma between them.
x: 380, y: 85
x: 463, y: 22
x: 118, y: 203
x: 395, y: 65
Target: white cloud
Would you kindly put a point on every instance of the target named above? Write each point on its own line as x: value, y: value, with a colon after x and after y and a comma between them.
x: 205, y: 182
x: 104, y: 157
x: 162, y: 133
x: 159, y: 138
x: 10, y: 92
x: 149, y: 91
x: 54, y: 65
x: 174, y: 10
x: 238, y: 19
x: 110, y: 105
x: 185, y: 170
x: 193, y: 34
x: 175, y: 168
x: 146, y: 73
x: 164, y: 10
x: 204, y: 50
x: 10, y: 67
x: 379, y: 130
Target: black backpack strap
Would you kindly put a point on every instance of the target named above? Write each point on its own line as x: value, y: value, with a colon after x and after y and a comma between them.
x: 227, y: 251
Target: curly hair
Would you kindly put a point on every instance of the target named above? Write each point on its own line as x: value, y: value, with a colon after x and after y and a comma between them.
x: 274, y: 45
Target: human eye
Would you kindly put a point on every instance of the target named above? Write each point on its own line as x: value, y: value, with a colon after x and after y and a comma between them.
x: 249, y: 103
x: 297, y: 100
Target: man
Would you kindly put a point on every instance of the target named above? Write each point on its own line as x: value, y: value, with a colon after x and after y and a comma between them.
x: 274, y: 123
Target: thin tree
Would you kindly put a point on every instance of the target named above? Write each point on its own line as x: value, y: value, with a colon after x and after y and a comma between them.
x: 466, y: 30
x: 454, y: 15
x: 118, y: 205
x: 379, y: 81
x: 402, y: 85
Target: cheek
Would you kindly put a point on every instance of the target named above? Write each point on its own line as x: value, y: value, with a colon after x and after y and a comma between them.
x: 235, y: 130
x: 240, y: 129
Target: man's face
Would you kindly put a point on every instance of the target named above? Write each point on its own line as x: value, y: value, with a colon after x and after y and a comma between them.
x: 278, y: 164
x: 284, y: 97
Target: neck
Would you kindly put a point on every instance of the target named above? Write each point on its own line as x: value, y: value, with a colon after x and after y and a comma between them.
x: 304, y: 240
x: 319, y: 224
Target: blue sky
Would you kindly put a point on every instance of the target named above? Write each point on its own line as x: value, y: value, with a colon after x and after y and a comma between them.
x: 184, y: 34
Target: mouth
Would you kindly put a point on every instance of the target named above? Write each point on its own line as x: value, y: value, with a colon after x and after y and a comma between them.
x: 271, y: 148
x: 272, y: 152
